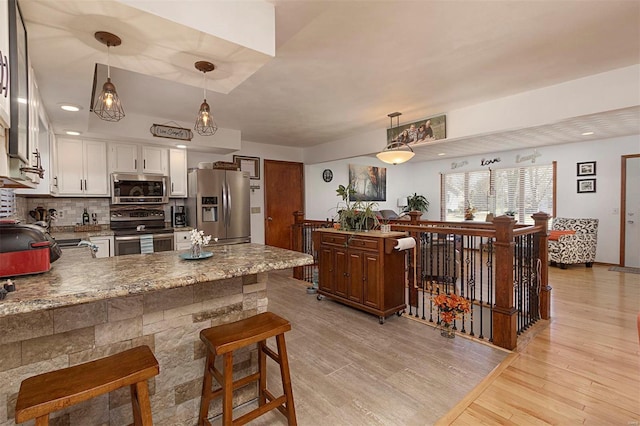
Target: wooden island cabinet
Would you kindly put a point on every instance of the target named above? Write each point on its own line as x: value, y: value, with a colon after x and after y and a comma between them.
x: 362, y: 270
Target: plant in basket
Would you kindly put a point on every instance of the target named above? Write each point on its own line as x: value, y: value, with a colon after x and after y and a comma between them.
x: 451, y: 306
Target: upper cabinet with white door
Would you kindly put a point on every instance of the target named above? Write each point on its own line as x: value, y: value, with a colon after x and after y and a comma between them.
x: 178, y: 172
x: 5, y: 120
x: 82, y: 168
x: 131, y: 158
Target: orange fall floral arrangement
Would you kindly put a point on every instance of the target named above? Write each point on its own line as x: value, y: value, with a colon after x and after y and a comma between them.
x: 451, y: 306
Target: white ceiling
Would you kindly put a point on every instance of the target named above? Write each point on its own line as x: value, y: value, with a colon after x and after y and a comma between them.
x: 340, y: 66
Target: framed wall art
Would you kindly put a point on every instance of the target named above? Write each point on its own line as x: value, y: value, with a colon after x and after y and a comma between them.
x: 369, y: 182
x: 422, y: 131
x: 248, y: 164
x: 588, y: 168
x: 586, y: 185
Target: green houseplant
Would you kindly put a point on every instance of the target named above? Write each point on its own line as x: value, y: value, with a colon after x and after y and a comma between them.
x: 417, y: 202
x: 357, y: 215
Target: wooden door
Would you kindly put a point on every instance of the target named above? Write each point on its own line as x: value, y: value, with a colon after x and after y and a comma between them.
x: 284, y: 194
x: 341, y: 268
x: 325, y: 270
x: 371, y: 280
x: 355, y: 276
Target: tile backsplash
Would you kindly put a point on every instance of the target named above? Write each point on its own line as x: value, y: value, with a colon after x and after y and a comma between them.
x: 69, y: 210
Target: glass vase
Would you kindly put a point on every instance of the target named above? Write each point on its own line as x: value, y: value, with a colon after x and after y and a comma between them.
x: 196, y: 250
x: 447, y: 331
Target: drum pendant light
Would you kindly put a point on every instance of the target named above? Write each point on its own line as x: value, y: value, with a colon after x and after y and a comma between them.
x: 397, y: 151
x: 205, y: 126
x: 108, y: 106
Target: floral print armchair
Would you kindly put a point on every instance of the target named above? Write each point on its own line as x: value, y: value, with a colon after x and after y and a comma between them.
x: 573, y: 241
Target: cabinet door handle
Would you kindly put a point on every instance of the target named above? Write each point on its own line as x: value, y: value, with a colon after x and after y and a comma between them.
x: 171, y: 186
x: 80, y: 184
x: 135, y: 164
x: 55, y: 179
x: 5, y: 75
x: 144, y: 163
x: 85, y: 184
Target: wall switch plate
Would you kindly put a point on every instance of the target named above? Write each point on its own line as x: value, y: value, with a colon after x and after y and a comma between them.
x: 255, y: 210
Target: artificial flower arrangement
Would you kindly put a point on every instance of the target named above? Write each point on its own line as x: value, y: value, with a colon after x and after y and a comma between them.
x: 451, y: 306
x: 198, y: 239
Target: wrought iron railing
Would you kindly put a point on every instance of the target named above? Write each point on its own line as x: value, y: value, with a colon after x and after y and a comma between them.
x: 499, y: 267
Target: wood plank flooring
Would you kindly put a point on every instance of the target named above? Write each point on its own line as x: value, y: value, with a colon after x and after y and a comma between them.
x: 582, y: 367
x: 349, y: 370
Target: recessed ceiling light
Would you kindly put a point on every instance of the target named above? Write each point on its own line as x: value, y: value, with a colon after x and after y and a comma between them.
x: 22, y: 100
x: 587, y: 134
x: 73, y: 133
x: 181, y: 146
x: 70, y: 107
x: 441, y: 154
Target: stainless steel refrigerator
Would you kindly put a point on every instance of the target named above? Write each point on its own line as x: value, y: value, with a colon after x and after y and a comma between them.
x: 218, y: 204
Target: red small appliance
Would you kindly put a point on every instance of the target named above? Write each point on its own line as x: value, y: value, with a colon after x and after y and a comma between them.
x: 25, y: 249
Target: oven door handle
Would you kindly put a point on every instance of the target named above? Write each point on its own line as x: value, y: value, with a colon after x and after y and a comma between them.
x: 131, y: 238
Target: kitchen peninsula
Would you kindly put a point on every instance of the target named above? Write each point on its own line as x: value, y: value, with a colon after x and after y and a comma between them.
x: 87, y: 308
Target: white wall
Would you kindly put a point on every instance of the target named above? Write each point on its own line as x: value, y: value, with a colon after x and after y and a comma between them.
x: 252, y: 149
x: 424, y: 178
x: 322, y: 200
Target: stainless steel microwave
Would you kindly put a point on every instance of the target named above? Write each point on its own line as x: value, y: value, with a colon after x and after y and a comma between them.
x: 139, y: 189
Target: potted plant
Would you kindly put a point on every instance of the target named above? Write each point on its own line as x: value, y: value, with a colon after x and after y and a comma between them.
x: 417, y: 202
x: 355, y: 216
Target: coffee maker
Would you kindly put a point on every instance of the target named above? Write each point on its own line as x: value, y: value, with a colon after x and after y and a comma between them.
x: 178, y: 216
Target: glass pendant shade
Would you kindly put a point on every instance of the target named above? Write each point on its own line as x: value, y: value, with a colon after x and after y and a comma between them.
x: 205, y: 125
x: 395, y: 152
x: 108, y: 106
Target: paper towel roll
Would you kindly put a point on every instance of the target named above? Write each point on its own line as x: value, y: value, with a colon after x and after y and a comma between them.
x: 405, y: 243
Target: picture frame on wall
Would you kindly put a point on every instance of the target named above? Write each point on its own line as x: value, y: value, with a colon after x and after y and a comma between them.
x: 248, y: 164
x: 587, y: 168
x: 418, y: 132
x: 368, y: 182
x: 586, y: 185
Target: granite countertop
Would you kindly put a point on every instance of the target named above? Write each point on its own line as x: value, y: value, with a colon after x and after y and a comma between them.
x: 78, y: 278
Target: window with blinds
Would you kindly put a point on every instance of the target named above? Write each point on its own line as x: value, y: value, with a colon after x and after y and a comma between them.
x: 522, y: 191
x: 7, y: 202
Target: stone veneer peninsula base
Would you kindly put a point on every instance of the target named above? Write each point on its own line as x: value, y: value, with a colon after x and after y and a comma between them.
x: 168, y: 320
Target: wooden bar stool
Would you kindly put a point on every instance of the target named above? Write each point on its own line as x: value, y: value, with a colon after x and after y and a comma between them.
x: 45, y: 393
x: 225, y: 339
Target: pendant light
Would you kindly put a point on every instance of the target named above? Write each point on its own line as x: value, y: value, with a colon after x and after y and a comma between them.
x: 205, y: 125
x: 108, y: 106
x: 397, y: 151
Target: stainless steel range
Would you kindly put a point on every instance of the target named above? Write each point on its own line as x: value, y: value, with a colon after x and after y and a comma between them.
x: 134, y: 226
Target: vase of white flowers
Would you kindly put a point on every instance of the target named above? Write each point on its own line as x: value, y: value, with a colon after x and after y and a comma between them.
x: 198, y: 239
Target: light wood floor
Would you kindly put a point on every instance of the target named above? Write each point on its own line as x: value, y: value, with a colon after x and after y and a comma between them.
x: 582, y: 367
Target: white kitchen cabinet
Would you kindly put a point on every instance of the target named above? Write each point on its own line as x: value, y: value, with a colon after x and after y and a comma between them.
x: 105, y: 246
x: 181, y: 240
x: 123, y: 158
x: 82, y: 168
x: 53, y: 163
x: 132, y: 158
x: 178, y: 172
x: 154, y: 160
x: 5, y: 116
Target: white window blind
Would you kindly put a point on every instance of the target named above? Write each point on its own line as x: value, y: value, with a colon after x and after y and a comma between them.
x: 521, y: 190
x: 7, y: 202
x: 462, y: 190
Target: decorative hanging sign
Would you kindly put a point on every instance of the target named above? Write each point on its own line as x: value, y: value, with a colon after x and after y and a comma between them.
x: 171, y: 132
